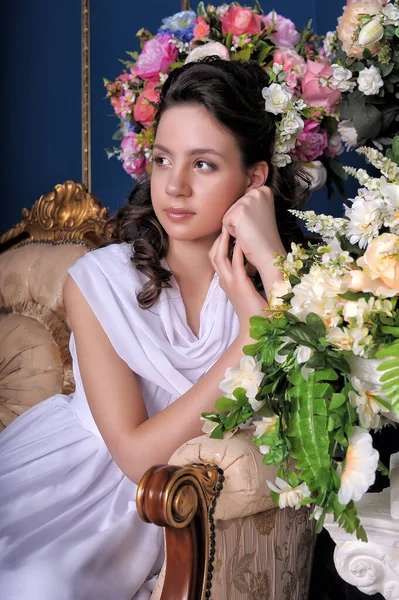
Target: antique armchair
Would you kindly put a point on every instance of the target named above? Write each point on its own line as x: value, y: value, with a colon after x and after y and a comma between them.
x: 225, y: 539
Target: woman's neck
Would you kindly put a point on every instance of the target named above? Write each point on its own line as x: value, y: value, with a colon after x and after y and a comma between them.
x: 189, y: 260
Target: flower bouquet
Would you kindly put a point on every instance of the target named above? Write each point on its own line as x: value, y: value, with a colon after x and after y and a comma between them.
x: 298, y: 94
x: 364, y: 51
x: 324, y: 368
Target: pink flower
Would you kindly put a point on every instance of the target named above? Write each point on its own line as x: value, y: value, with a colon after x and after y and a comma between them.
x: 286, y: 36
x: 240, y: 20
x: 290, y: 60
x: 156, y: 57
x: 315, y: 86
x: 145, y: 107
x: 116, y: 103
x: 201, y: 29
x: 311, y: 143
x: 134, y: 161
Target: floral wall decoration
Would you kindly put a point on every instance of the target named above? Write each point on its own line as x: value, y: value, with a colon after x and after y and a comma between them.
x: 298, y: 94
x: 364, y: 52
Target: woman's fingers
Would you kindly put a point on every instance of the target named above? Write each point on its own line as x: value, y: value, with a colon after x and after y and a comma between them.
x: 238, y: 259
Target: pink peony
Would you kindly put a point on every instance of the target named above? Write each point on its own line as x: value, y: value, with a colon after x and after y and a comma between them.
x: 201, y: 29
x: 286, y: 36
x: 145, y: 107
x: 311, y: 143
x: 315, y: 86
x: 240, y: 20
x: 156, y: 57
x: 134, y: 162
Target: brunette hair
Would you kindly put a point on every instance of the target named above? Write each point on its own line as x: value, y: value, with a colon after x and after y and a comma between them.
x: 232, y: 93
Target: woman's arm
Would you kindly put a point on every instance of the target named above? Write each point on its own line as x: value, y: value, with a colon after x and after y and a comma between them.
x: 113, y: 393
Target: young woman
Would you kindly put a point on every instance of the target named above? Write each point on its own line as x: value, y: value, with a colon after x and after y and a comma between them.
x: 156, y: 320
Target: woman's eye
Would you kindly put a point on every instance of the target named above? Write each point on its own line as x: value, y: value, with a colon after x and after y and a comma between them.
x: 160, y: 160
x: 204, y: 165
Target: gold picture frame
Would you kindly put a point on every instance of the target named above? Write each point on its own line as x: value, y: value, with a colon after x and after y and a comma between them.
x: 86, y: 115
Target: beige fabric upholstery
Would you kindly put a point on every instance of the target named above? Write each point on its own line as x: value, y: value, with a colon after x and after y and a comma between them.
x: 34, y: 357
x: 37, y: 272
x: 262, y: 552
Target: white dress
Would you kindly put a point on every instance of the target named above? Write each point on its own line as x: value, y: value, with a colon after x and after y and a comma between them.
x: 69, y: 528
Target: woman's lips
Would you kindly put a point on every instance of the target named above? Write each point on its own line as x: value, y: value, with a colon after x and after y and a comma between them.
x: 178, y: 214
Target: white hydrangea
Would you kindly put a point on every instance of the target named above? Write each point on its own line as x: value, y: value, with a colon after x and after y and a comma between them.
x: 277, y: 97
x: 370, y: 81
x: 341, y: 79
x: 280, y: 160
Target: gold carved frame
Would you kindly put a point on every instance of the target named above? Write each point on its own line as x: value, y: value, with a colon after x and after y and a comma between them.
x: 86, y: 116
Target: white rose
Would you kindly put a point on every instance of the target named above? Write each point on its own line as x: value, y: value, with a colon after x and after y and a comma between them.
x: 317, y: 174
x: 280, y: 160
x: 292, y: 124
x: 209, y: 49
x: 340, y: 79
x: 370, y: 81
x: 391, y: 14
x: 277, y: 97
x: 284, y: 144
x: 348, y: 133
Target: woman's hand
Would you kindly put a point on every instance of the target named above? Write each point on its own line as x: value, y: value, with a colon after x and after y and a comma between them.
x: 234, y: 280
x: 252, y: 221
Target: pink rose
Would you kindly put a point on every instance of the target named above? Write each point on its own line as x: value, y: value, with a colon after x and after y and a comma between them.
x: 311, y: 143
x: 315, y: 90
x: 240, y: 20
x: 290, y: 60
x: 201, y: 29
x: 145, y: 107
x: 134, y: 161
x: 285, y: 36
x: 156, y: 57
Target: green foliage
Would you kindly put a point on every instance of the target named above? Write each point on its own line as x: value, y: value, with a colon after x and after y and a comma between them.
x: 390, y: 374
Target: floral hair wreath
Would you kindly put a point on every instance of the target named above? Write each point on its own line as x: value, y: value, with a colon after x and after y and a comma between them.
x: 299, y: 93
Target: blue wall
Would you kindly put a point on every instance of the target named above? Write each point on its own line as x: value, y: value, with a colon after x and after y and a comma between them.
x: 41, y: 120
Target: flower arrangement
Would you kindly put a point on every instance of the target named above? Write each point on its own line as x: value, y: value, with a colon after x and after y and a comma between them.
x: 298, y: 92
x: 324, y: 369
x: 364, y: 51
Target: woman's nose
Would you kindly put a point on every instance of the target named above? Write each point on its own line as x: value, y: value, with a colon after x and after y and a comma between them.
x: 178, y: 183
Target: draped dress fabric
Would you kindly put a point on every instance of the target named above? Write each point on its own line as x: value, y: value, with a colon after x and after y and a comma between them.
x: 69, y: 527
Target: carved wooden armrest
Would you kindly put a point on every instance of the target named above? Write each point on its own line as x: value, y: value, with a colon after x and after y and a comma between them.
x: 182, y: 500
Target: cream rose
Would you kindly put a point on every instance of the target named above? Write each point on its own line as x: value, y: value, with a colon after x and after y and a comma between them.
x: 348, y: 23
x: 381, y: 260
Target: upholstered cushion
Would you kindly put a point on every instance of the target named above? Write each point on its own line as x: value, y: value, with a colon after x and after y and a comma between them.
x: 245, y: 490
x: 36, y: 272
x: 34, y: 358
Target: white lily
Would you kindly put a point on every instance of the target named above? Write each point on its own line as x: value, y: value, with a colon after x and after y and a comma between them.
x: 362, y: 397
x: 289, y: 496
x: 360, y: 465
x: 371, y: 33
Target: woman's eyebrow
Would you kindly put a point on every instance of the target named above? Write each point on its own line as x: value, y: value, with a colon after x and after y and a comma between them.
x: 192, y: 152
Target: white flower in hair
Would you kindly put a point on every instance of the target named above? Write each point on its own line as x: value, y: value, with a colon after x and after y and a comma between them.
x: 209, y: 49
x: 291, y: 124
x: 280, y: 160
x: 278, y: 97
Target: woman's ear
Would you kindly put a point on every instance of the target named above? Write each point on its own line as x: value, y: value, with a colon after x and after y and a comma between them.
x: 257, y: 175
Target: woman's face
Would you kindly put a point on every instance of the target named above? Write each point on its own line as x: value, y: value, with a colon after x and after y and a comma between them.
x: 197, y: 173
